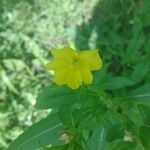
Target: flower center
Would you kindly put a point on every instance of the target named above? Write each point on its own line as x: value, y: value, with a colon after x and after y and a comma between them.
x: 75, y: 63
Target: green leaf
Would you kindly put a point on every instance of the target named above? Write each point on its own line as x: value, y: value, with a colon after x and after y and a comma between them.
x: 140, y: 71
x: 55, y: 148
x: 115, y: 132
x: 66, y: 116
x: 89, y: 117
x: 144, y: 133
x: 117, y: 83
x: 141, y: 95
x: 123, y: 145
x: 100, y: 75
x: 110, y: 119
x: 111, y: 83
x: 88, y: 122
x: 145, y: 114
x: 53, y: 97
x: 39, y: 135
x: 79, y: 119
x: 97, y: 140
x: 132, y: 53
x: 57, y: 96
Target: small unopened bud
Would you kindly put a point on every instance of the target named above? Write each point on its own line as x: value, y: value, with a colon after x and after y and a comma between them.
x: 66, y: 136
x: 128, y: 136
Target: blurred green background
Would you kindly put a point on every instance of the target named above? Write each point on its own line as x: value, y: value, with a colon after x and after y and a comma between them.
x: 29, y: 29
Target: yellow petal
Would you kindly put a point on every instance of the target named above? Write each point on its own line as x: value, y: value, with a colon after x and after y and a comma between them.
x: 60, y: 76
x: 91, y: 59
x: 65, y: 52
x: 57, y: 64
x: 87, y: 76
x: 74, y: 79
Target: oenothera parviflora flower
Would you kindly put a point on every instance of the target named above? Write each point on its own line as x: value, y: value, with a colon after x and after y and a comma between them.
x: 73, y: 67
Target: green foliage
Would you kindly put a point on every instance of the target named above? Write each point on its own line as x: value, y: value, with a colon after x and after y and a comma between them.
x: 97, y: 140
x: 144, y: 111
x: 122, y: 145
x: 115, y: 132
x: 86, y: 126
x: 113, y: 113
x: 144, y: 133
x: 47, y: 131
x: 55, y: 97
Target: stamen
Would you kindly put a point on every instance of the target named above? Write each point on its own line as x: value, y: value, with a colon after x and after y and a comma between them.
x: 76, y: 63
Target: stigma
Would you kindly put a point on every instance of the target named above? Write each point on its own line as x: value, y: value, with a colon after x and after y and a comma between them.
x: 75, y: 63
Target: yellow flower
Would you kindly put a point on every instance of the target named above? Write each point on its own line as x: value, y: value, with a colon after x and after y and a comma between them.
x: 74, y: 67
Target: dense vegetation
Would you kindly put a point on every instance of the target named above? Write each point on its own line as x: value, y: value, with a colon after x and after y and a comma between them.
x: 29, y: 29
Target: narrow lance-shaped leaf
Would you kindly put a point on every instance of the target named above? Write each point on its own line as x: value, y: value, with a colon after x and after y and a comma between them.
x: 115, y: 132
x: 117, y: 83
x: 144, y: 133
x: 145, y: 114
x: 45, y: 132
x: 141, y: 95
x: 123, y: 145
x: 97, y: 140
x: 66, y: 116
